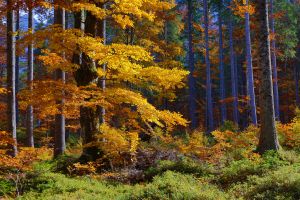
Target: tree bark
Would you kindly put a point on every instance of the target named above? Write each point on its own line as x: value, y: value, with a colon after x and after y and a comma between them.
x: 59, y: 137
x: 274, y: 63
x: 17, y: 64
x: 29, y: 112
x: 221, y: 66
x: 11, y: 76
x: 233, y: 71
x: 250, y: 80
x: 191, y: 61
x: 85, y: 75
x: 209, y: 103
x: 268, y: 135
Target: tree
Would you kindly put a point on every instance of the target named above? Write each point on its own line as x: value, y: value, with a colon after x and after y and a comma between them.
x: 233, y: 70
x: 11, y: 75
x: 221, y: 64
x: 274, y: 62
x: 250, y: 79
x: 60, y: 135
x: 209, y: 103
x: 268, y: 135
x: 29, y: 111
x: 191, y: 61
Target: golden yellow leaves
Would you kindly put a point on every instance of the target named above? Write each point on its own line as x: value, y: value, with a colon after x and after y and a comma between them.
x: 116, y: 143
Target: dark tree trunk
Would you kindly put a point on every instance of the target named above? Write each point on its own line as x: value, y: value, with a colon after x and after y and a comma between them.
x: 221, y: 66
x: 11, y: 76
x: 59, y: 137
x: 85, y: 75
x: 268, y: 135
x: 29, y: 113
x: 233, y: 71
x: 274, y: 63
x: 250, y: 80
x: 191, y: 61
x: 209, y: 103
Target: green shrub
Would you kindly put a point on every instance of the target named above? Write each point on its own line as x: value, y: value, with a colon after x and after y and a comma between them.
x: 57, y: 186
x: 238, y: 171
x: 176, y: 186
x: 6, y: 187
x: 283, y: 184
x: 184, y: 166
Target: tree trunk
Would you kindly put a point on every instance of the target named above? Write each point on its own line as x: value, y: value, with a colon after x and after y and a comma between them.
x: 29, y: 113
x: 250, y: 81
x: 85, y: 75
x: 268, y: 135
x: 191, y: 61
x: 59, y: 137
x: 209, y: 103
x: 274, y: 63
x: 221, y: 66
x: 11, y: 76
x: 233, y: 71
x: 17, y: 65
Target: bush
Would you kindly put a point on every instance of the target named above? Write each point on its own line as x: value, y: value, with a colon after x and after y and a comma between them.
x: 57, y: 186
x: 6, y: 187
x: 175, y: 186
x: 184, y: 166
x: 237, y: 172
x: 283, y: 183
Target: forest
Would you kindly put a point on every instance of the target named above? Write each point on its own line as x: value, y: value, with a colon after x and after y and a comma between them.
x: 150, y: 99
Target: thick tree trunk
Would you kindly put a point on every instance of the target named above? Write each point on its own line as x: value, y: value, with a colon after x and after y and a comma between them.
x: 11, y: 77
x: 221, y: 66
x: 250, y: 80
x: 29, y: 112
x: 274, y: 63
x: 233, y: 71
x: 268, y: 135
x: 60, y: 133
x: 209, y: 103
x: 85, y: 75
x: 191, y: 61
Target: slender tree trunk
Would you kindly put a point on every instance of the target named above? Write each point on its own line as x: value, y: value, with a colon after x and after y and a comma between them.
x: 59, y: 137
x: 11, y: 76
x: 221, y: 61
x: 17, y: 64
x: 233, y: 71
x: 268, y: 135
x: 250, y: 79
x: 191, y: 61
x: 29, y: 112
x: 209, y: 103
x: 274, y: 63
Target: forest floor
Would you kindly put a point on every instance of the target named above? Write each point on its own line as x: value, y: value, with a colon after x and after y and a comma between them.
x: 274, y: 176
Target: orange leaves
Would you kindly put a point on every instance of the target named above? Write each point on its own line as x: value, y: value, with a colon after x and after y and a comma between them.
x: 25, y: 158
x: 240, y: 8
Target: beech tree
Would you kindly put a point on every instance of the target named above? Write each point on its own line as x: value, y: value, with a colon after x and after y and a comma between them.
x: 11, y: 75
x: 250, y: 79
x: 268, y: 135
x: 209, y: 103
x: 60, y: 132
x: 29, y: 111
